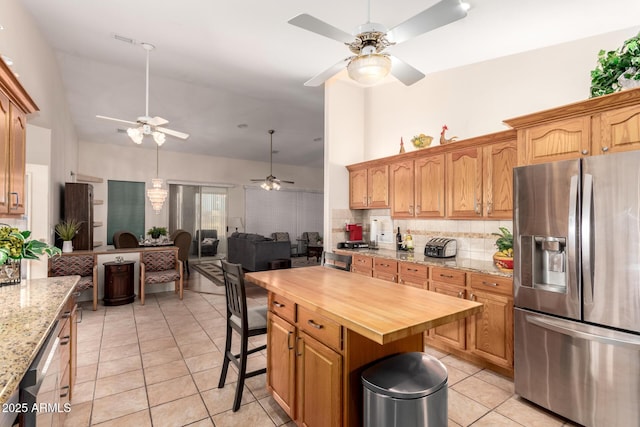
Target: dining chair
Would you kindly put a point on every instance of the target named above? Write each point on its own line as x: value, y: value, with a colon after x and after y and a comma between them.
x: 182, y: 239
x: 80, y: 264
x: 247, y: 322
x: 337, y: 261
x: 125, y: 239
x: 160, y: 266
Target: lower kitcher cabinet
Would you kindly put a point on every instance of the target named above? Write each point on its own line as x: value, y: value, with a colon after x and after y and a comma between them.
x: 453, y: 334
x: 491, y: 332
x: 304, y: 375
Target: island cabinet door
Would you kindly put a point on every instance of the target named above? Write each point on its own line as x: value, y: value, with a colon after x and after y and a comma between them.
x: 319, y: 373
x: 281, y: 362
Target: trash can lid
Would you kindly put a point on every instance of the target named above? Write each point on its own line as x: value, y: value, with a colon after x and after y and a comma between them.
x: 406, y: 376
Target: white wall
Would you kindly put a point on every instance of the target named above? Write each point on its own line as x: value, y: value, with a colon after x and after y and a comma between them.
x: 138, y: 163
x: 471, y: 100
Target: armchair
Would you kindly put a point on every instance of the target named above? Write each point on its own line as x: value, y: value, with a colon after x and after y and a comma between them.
x: 283, y: 236
x: 208, y: 241
x: 160, y: 266
x: 182, y: 239
x: 77, y: 263
x: 125, y: 239
x: 309, y: 238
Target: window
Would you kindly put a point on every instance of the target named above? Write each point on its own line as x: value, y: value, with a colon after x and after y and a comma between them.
x: 125, y: 208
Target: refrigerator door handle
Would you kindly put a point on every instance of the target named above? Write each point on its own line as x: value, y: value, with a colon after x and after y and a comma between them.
x: 573, y: 235
x: 587, y: 270
x: 569, y: 328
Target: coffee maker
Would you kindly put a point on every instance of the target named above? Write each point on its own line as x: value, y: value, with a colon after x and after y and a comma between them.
x: 355, y: 232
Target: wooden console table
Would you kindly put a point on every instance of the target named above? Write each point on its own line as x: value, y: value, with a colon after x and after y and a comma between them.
x: 118, y: 280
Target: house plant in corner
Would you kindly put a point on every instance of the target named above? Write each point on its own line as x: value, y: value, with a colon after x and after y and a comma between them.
x: 156, y: 232
x: 503, y: 259
x: 67, y: 230
x: 16, y: 245
x: 617, y: 69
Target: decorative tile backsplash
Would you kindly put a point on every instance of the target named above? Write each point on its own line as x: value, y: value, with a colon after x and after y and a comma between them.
x: 474, y: 239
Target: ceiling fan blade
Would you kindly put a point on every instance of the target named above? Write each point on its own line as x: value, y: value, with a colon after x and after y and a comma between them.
x: 175, y: 133
x: 309, y: 23
x: 157, y: 121
x: 318, y: 79
x: 257, y: 180
x: 438, y: 15
x: 404, y: 72
x: 116, y: 120
x: 286, y: 182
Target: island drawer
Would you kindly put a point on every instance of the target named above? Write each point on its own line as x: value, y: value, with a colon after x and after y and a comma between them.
x: 448, y: 275
x: 283, y: 307
x: 320, y: 327
x: 492, y: 283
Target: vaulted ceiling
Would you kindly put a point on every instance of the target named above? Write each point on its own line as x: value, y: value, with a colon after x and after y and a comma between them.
x: 221, y: 64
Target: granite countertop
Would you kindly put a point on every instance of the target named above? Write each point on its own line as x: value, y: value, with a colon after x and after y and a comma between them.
x: 27, y: 313
x: 472, y: 265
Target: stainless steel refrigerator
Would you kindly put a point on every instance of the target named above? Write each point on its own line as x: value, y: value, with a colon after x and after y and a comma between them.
x: 577, y: 288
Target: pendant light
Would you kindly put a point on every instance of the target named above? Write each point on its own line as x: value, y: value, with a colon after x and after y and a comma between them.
x: 157, y: 195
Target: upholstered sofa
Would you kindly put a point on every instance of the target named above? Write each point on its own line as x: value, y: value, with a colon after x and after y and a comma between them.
x: 254, y: 251
x: 208, y: 242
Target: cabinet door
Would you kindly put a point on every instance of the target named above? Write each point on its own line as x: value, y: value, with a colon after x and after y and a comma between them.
x: 4, y: 153
x: 498, y: 163
x: 358, y: 189
x: 401, y: 189
x: 378, y: 187
x: 281, y: 363
x: 560, y: 140
x: 429, y: 187
x: 17, y: 160
x: 319, y: 384
x: 491, y: 332
x: 464, y: 183
x: 619, y: 130
x: 454, y: 333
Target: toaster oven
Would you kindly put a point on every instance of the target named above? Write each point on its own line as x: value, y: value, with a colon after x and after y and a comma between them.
x: 440, y: 247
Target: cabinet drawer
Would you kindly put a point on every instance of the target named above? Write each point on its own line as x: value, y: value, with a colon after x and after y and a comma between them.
x: 491, y: 283
x: 412, y: 274
x: 447, y: 275
x: 283, y: 307
x: 384, y: 265
x: 362, y: 262
x: 321, y: 328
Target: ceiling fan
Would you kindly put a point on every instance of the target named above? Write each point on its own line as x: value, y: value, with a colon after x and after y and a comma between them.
x: 147, y: 125
x: 370, y: 63
x: 271, y: 182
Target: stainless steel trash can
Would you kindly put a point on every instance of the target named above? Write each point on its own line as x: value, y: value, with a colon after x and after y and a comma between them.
x: 406, y: 390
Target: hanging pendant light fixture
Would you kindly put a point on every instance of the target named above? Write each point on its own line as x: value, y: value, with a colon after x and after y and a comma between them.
x: 157, y: 195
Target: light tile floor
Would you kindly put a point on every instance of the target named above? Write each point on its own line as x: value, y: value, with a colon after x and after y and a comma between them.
x: 159, y: 364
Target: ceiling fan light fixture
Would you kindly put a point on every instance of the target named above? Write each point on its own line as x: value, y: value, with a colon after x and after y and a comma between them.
x: 159, y: 138
x: 369, y: 69
x: 136, y: 135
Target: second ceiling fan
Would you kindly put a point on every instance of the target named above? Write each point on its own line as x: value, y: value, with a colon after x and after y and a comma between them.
x: 370, y: 63
x: 271, y: 182
x: 146, y: 125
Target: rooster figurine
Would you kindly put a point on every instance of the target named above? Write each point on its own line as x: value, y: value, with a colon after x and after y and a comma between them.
x: 443, y: 139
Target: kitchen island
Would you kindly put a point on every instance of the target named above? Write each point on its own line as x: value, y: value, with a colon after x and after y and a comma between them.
x: 325, y: 326
x: 28, y: 313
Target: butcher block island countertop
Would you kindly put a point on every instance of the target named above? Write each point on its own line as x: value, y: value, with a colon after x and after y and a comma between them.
x: 27, y: 313
x: 340, y: 323
x: 374, y: 308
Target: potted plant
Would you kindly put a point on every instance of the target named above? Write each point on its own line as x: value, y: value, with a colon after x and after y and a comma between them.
x: 503, y: 259
x: 15, y: 245
x: 156, y: 232
x: 617, y: 69
x: 67, y: 230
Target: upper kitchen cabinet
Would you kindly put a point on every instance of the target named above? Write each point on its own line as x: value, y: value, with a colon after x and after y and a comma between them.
x: 606, y: 124
x: 368, y: 187
x: 15, y: 104
x: 417, y: 187
x: 479, y: 180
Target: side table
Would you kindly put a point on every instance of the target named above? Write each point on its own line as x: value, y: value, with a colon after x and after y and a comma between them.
x: 314, y: 251
x: 118, y: 283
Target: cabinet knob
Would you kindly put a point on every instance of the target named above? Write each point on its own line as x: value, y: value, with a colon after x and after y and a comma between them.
x: 585, y: 152
x: 605, y: 149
